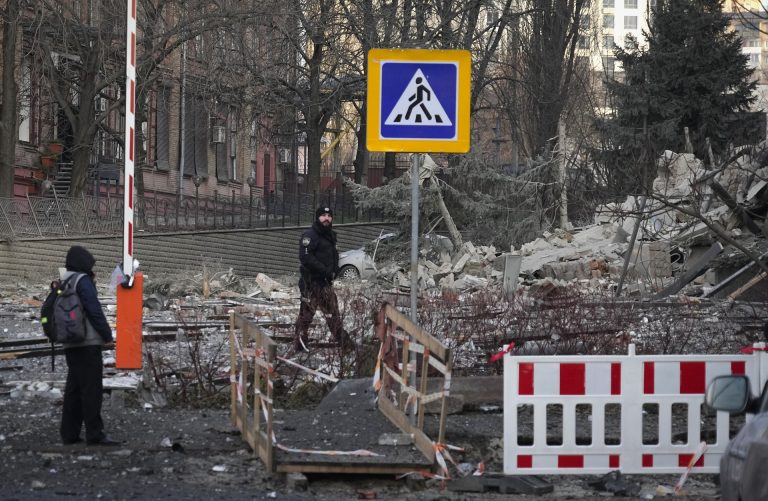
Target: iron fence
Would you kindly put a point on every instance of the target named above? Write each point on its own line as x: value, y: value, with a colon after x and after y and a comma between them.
x: 93, y: 215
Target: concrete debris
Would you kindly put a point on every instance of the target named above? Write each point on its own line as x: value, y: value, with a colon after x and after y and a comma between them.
x: 665, y: 241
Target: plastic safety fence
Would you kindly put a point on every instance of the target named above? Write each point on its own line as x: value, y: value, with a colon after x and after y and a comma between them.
x: 637, y: 414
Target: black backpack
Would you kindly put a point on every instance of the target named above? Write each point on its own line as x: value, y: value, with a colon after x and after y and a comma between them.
x: 62, y: 315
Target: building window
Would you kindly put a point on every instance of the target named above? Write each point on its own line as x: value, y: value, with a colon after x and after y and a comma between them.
x: 585, y: 21
x: 491, y: 17
x: 630, y: 22
x: 583, y: 42
x: 752, y: 42
x: 232, y: 133
x: 607, y: 3
x: 196, y: 137
x: 754, y: 60
x: 162, y: 124
x: 608, y: 65
x: 25, y: 101
x: 608, y: 42
x: 630, y: 4
x: 608, y: 21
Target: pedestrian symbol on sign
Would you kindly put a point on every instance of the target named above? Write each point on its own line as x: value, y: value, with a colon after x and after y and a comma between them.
x: 418, y: 105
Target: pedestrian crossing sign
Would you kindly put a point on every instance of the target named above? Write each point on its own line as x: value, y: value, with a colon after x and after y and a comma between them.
x: 418, y: 100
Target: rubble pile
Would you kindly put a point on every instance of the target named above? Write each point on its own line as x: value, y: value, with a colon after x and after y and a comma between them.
x: 687, y: 235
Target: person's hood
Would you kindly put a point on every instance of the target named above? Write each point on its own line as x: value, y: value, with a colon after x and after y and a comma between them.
x: 79, y: 259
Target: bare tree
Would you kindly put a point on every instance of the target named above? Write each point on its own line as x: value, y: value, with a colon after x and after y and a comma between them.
x: 8, y: 97
x: 538, y: 71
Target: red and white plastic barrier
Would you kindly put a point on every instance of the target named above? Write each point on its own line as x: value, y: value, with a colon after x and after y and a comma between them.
x: 630, y: 384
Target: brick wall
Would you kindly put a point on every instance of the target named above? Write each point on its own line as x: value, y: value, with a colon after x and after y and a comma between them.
x: 273, y: 251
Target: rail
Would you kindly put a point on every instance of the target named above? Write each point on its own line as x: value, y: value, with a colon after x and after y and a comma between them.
x: 51, y: 216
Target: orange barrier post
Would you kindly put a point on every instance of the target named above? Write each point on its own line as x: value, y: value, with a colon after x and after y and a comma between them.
x: 129, y: 321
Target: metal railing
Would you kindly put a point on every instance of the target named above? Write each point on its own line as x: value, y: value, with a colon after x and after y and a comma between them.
x: 55, y: 215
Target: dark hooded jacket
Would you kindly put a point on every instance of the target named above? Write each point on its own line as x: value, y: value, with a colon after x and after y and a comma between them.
x: 318, y: 256
x: 80, y: 262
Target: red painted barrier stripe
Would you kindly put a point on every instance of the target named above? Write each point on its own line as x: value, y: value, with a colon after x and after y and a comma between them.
x: 648, y: 378
x: 615, y: 379
x: 684, y: 459
x: 572, y: 379
x: 133, y: 9
x: 647, y: 460
x: 524, y: 461
x: 133, y: 96
x: 130, y: 192
x: 130, y: 144
x: 570, y: 461
x: 693, y: 377
x: 525, y: 374
x: 613, y: 461
x: 738, y: 368
x: 130, y: 239
x: 133, y: 49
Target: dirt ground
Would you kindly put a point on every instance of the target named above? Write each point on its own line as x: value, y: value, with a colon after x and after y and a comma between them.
x: 182, y: 453
x: 174, y: 453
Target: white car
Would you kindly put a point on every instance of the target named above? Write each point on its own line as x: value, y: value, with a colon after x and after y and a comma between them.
x: 357, y: 264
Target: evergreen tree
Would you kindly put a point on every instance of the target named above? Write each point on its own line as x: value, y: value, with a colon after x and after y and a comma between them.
x: 692, y: 74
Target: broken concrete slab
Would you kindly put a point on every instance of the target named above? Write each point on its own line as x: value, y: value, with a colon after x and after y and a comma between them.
x: 505, y: 484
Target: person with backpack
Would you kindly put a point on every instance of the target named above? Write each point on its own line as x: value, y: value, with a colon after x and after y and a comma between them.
x: 83, y: 393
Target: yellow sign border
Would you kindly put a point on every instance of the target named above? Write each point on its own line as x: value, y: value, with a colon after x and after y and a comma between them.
x: 374, y: 141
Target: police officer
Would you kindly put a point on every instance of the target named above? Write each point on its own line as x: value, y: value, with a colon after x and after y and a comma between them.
x: 319, y: 265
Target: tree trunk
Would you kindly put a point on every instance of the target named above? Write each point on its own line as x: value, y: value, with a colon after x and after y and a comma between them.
x: 390, y: 171
x: 313, y: 159
x: 361, y: 158
x: 453, y: 232
x: 80, y: 158
x: 562, y: 162
x: 8, y: 130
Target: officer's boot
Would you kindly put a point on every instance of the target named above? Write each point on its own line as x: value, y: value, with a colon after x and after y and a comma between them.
x: 300, y: 342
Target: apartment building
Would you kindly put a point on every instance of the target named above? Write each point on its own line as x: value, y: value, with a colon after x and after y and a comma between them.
x: 192, y: 138
x: 609, y: 22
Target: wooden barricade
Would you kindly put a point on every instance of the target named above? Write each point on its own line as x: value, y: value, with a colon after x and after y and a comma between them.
x: 396, y: 395
x: 251, y: 359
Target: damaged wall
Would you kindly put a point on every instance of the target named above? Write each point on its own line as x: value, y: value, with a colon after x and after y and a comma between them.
x: 248, y: 252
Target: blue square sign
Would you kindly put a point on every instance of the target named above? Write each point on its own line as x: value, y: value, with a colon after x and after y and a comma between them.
x: 418, y: 100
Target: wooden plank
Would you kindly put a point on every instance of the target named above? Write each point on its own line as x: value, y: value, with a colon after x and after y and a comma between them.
x: 744, y: 288
x: 423, y: 388
x: 446, y: 390
x: 364, y: 469
x: 270, y: 350
x: 404, y: 376
x: 436, y: 347
x: 399, y: 419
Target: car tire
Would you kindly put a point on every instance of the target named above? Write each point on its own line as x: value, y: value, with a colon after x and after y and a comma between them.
x: 349, y: 272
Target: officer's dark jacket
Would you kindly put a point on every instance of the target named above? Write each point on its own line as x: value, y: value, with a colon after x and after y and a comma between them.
x: 318, y: 255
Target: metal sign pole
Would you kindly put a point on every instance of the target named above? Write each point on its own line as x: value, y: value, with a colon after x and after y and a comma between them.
x: 416, y: 161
